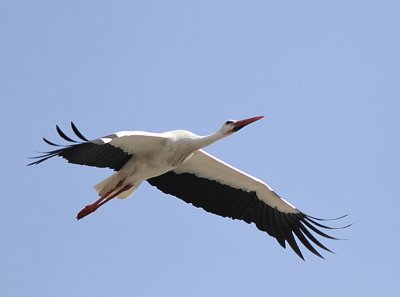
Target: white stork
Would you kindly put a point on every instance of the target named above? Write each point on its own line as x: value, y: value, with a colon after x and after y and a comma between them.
x: 176, y: 164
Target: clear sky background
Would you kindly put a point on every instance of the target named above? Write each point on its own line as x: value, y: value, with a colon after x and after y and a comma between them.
x: 324, y: 73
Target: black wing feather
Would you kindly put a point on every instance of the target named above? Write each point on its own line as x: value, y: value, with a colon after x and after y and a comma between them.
x: 227, y: 201
x: 63, y: 135
x: 306, y: 243
x: 94, y: 153
x: 50, y: 143
x: 273, y: 225
x: 77, y: 133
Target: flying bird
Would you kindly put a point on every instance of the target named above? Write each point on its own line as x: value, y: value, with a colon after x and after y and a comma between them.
x: 175, y: 163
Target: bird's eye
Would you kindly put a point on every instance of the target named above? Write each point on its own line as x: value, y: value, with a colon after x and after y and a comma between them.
x: 229, y: 122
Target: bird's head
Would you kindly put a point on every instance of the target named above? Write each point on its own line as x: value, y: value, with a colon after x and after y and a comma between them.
x: 232, y: 126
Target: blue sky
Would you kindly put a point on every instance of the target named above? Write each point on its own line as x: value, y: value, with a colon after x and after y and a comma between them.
x: 324, y: 73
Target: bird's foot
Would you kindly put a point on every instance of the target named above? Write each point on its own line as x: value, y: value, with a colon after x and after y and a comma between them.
x: 101, y: 201
x: 87, y: 211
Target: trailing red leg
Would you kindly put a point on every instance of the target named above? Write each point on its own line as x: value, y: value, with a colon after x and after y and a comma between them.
x: 103, y: 199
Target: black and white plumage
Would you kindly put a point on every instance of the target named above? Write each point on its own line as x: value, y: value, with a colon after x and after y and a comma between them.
x: 175, y: 163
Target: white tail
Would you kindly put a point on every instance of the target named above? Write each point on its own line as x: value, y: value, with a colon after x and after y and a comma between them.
x: 111, y: 183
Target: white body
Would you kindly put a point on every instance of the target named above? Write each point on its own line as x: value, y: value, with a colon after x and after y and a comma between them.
x: 152, y: 154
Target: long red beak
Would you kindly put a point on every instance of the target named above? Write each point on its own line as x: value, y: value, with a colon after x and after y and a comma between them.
x: 242, y: 123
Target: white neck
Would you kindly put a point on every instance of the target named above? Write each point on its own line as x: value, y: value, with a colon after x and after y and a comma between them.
x: 203, y: 141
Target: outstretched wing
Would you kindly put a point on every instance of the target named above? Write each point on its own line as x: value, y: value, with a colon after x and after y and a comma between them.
x: 111, y: 151
x: 219, y: 188
x: 96, y: 153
